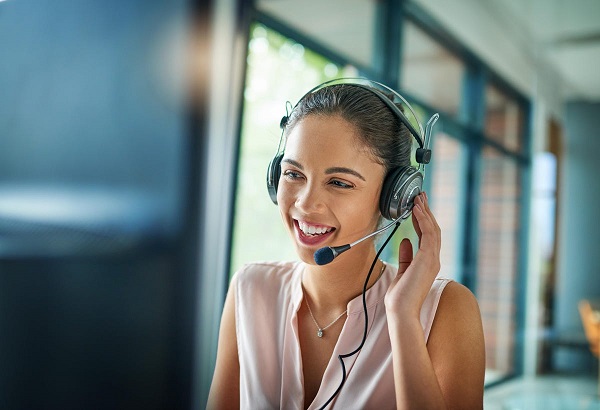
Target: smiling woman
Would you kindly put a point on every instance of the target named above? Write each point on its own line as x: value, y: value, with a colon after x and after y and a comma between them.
x: 343, y: 167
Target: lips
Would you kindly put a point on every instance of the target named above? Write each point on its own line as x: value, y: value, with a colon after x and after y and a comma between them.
x: 312, y: 234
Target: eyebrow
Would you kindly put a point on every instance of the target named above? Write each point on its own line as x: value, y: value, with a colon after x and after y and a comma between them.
x: 328, y: 171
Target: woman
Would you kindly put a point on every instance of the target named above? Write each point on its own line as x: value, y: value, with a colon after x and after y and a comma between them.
x: 285, y: 324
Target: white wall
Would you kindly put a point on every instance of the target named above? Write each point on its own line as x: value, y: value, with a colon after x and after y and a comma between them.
x: 504, y: 44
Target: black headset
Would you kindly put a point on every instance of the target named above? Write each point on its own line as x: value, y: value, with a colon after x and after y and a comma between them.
x: 402, y: 184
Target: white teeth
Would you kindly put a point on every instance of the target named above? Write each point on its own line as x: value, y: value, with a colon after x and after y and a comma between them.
x: 313, y: 230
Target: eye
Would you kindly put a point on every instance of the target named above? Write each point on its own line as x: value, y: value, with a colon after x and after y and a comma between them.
x: 340, y: 184
x: 292, y: 175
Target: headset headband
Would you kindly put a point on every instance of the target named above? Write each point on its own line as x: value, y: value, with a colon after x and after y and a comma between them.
x: 423, y: 154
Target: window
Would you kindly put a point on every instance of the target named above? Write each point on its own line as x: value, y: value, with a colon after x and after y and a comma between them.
x: 279, y: 70
x: 344, y: 26
x: 545, y: 200
x: 504, y: 119
x: 430, y: 72
x: 447, y: 198
x: 497, y: 260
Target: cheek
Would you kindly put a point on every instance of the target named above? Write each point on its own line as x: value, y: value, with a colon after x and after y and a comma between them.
x: 283, y: 194
x: 366, y: 210
x: 285, y: 200
x: 375, y: 208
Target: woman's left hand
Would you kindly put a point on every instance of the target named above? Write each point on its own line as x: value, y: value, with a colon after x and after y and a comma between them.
x: 410, y: 287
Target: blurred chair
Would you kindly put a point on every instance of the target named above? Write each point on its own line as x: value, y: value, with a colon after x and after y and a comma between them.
x: 590, y: 318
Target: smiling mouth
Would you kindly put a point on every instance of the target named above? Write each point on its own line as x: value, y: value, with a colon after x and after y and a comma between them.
x: 313, y: 230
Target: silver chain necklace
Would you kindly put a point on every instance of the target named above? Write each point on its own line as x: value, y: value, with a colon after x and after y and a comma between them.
x: 321, y: 329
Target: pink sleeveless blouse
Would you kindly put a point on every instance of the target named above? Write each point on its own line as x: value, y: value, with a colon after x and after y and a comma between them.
x: 267, y: 299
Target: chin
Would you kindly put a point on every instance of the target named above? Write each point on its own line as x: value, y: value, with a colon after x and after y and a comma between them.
x: 306, y: 255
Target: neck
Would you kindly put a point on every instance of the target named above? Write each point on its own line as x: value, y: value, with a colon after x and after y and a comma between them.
x: 330, y: 287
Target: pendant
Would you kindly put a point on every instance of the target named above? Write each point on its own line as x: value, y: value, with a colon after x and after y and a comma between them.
x: 320, y: 332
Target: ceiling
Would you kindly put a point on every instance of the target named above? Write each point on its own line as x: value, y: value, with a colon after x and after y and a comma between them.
x: 564, y: 34
x: 561, y: 37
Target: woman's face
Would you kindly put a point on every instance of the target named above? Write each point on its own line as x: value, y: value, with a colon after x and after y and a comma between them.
x: 330, y: 183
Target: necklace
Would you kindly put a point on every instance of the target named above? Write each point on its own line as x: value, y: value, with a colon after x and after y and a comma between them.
x: 320, y: 329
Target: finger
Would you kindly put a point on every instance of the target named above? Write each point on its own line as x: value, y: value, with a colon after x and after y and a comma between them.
x: 415, y: 222
x: 428, y: 230
x: 420, y: 215
x: 405, y: 255
x: 427, y: 208
x: 431, y: 215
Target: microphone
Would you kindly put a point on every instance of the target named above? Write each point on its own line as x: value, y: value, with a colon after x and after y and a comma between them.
x: 327, y: 254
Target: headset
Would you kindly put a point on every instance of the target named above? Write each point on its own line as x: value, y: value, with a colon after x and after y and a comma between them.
x: 402, y: 184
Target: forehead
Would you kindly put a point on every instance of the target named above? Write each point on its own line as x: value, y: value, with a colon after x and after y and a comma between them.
x: 324, y: 142
x: 331, y: 133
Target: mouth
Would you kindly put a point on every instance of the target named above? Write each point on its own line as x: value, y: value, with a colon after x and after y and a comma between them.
x: 312, y: 234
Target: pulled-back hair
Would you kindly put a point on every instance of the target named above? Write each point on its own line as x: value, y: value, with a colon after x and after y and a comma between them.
x: 379, y: 128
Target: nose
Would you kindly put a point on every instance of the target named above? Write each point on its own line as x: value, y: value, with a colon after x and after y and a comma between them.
x: 310, y: 199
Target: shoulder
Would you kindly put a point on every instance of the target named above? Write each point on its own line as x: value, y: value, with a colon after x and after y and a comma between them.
x: 267, y: 281
x: 265, y: 271
x: 457, y: 314
x: 440, y: 289
x: 447, y: 303
x: 459, y: 299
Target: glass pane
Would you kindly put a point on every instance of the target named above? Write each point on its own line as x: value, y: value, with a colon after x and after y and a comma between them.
x: 344, y: 26
x: 279, y: 70
x: 504, y: 119
x: 543, y: 201
x: 447, y: 176
x: 430, y: 72
x: 497, y: 259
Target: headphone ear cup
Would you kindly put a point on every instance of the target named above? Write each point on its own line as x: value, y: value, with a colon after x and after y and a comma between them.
x: 273, y: 174
x: 400, y: 187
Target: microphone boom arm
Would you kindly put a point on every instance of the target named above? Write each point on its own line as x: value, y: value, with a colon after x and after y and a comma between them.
x: 327, y: 254
x: 374, y: 233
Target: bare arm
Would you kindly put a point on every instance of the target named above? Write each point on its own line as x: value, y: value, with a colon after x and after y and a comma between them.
x: 225, y: 387
x: 457, y: 350
x: 448, y: 371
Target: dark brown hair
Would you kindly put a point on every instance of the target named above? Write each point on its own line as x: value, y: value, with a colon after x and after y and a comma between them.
x: 379, y: 128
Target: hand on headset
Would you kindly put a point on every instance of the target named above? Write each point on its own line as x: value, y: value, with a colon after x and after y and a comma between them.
x: 415, y: 276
